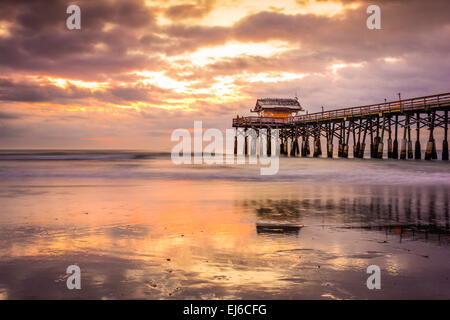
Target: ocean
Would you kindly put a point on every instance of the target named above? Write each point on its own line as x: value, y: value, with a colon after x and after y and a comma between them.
x: 141, y: 227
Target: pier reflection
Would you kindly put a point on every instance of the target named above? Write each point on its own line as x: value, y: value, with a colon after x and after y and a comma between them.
x: 277, y: 228
x: 409, y: 212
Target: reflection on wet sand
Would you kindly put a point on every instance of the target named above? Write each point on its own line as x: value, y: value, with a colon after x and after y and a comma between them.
x: 366, y: 205
x: 231, y: 240
x: 277, y: 228
x: 414, y: 232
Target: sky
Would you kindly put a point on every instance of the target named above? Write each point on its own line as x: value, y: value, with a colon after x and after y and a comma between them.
x: 137, y: 70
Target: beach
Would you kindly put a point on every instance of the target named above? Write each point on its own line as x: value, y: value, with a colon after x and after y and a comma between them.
x: 140, y: 227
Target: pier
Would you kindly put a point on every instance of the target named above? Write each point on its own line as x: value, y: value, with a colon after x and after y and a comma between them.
x: 383, y: 129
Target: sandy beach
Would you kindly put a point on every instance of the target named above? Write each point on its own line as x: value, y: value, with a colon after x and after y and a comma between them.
x: 140, y: 227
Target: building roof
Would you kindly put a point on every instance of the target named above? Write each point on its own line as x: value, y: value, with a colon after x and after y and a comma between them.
x: 278, y: 103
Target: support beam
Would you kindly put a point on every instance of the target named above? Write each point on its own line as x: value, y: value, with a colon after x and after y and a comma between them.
x: 358, y: 145
x: 445, y: 142
x: 376, y: 141
x: 308, y: 149
x: 235, y: 142
x: 430, y: 152
x: 330, y: 141
x: 380, y: 140
x: 253, y: 143
x: 282, y: 142
x: 410, y: 149
x: 395, y: 144
x: 354, y: 138
x: 403, y: 144
x: 317, y: 146
x: 417, y: 151
x: 389, y: 142
x: 341, y: 140
x: 363, y: 143
x: 345, y: 150
x: 245, y: 142
x: 294, y: 149
x: 371, y: 138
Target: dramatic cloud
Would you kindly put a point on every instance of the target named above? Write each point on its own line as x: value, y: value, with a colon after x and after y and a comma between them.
x: 138, y: 69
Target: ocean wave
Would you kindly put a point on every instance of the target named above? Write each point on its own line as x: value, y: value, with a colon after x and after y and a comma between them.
x: 78, y: 156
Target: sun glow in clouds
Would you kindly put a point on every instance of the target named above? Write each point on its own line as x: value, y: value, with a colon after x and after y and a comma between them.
x: 391, y: 59
x: 274, y: 76
x: 205, y: 56
x: 4, y: 29
x: 161, y: 80
x: 337, y: 66
x: 225, y: 13
x: 65, y: 83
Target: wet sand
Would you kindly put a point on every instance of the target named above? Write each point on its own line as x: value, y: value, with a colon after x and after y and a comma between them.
x: 145, y: 229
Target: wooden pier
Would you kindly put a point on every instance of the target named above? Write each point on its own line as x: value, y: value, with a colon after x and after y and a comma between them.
x: 383, y: 127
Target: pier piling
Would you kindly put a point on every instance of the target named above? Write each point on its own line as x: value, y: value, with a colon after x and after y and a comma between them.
x: 245, y: 142
x: 395, y: 144
x: 389, y: 142
x: 410, y: 149
x: 445, y: 142
x: 417, y: 151
x: 430, y: 152
x: 380, y: 141
x: 403, y: 144
x: 235, y: 143
x: 363, y: 143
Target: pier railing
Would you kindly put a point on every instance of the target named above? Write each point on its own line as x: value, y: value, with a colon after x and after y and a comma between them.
x: 398, y: 106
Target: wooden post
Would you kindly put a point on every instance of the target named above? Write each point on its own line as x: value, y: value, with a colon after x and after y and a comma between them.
x: 403, y: 145
x: 430, y: 152
x: 294, y: 146
x: 341, y: 140
x: 376, y: 140
x: 286, y: 141
x: 395, y: 144
x: 380, y: 140
x: 330, y: 141
x: 253, y: 143
x: 318, y: 138
x: 358, y: 145
x: 371, y: 138
x: 417, y: 151
x: 269, y: 143
x: 261, y: 135
x: 363, y: 144
x: 445, y: 142
x: 354, y: 138
x: 410, y: 150
x: 245, y: 142
x: 235, y: 142
x: 389, y: 139
x: 317, y: 147
x: 345, y: 151
x: 304, y: 143
x: 308, y: 149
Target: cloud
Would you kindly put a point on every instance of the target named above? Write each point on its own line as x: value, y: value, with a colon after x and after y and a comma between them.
x: 188, y: 11
x: 135, y: 63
